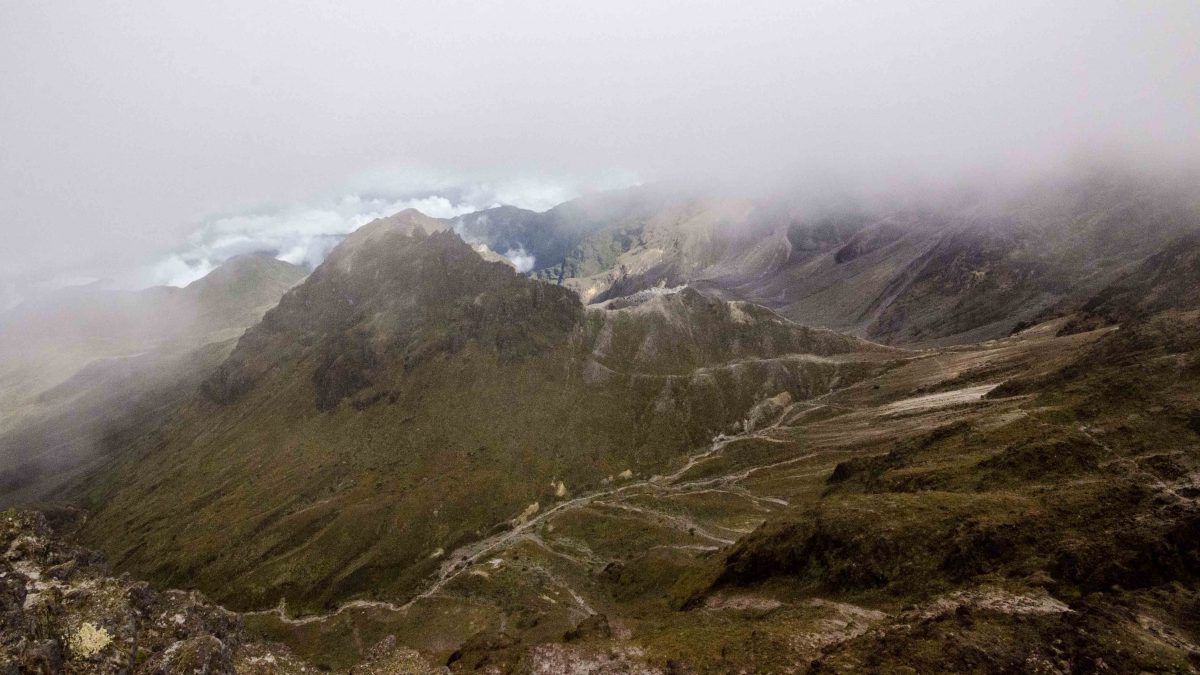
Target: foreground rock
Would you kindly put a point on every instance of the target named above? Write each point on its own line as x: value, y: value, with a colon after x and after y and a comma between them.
x: 61, y: 612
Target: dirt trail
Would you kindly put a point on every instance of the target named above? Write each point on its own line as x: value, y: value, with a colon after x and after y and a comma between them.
x: 460, y: 561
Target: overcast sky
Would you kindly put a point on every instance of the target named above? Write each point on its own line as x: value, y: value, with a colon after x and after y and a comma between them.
x: 126, y: 127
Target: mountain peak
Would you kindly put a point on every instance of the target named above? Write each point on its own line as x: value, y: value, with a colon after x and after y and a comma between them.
x: 386, y: 307
x: 246, y: 265
x: 406, y: 221
x: 383, y: 232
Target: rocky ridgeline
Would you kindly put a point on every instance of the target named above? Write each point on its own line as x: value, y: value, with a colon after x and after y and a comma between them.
x: 61, y: 611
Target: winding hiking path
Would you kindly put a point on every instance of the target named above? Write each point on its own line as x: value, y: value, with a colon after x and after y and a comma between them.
x: 461, y: 560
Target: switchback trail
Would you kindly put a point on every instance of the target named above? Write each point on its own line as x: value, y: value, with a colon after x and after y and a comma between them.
x: 463, y: 558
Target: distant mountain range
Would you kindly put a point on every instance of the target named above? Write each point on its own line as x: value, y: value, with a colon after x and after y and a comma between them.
x: 946, y: 270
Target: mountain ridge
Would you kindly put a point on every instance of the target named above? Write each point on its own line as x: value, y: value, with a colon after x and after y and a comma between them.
x: 105, y: 361
x: 620, y: 459
x: 401, y: 354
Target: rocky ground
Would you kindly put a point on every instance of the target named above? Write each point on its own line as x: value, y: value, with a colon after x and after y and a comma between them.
x: 62, y: 611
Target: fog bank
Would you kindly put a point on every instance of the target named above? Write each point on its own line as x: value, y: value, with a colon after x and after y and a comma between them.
x: 134, y: 131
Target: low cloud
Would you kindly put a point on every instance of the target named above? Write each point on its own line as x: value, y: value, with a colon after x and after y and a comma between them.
x: 9, y: 296
x: 520, y: 259
x: 305, y: 234
x: 152, y: 128
x: 301, y: 235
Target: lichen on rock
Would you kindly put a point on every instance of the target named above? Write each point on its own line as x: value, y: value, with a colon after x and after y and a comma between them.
x: 89, y: 640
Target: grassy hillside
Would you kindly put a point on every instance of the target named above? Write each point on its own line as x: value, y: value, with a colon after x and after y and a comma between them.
x: 1067, y: 538
x: 409, y: 398
x: 82, y: 371
x: 1028, y: 503
x: 419, y: 449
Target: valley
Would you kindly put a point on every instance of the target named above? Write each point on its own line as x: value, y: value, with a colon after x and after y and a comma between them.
x: 600, y: 338
x: 417, y: 458
x: 636, y: 552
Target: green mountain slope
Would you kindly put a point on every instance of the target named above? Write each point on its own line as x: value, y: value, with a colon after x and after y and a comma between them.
x: 410, y: 397
x: 81, y: 371
x: 1025, y: 503
x: 1066, y: 534
x: 632, y: 460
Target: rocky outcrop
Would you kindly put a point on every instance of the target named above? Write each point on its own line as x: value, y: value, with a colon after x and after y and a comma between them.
x: 62, y: 612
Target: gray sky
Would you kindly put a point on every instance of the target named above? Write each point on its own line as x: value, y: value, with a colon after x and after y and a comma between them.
x: 125, y: 126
